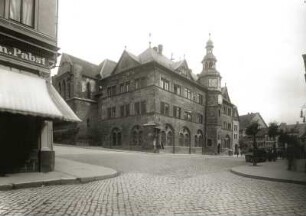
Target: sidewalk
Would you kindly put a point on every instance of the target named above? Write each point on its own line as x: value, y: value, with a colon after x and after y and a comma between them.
x: 65, y: 172
x: 271, y: 171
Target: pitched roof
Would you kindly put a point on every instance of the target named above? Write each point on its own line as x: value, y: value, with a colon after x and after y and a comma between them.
x: 152, y: 55
x: 225, y: 94
x: 88, y: 69
x: 299, y: 129
x: 246, y: 120
x: 106, y: 68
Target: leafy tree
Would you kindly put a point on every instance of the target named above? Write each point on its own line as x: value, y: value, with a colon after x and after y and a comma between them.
x: 273, y: 131
x: 252, y: 130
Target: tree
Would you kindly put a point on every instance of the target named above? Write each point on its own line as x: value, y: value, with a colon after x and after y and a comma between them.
x: 273, y: 130
x: 252, y: 130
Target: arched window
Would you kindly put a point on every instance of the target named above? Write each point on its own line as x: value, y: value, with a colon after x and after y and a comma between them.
x: 116, y: 137
x: 181, y: 139
x: 168, y: 134
x: 69, y: 89
x: 60, y: 89
x: 64, y: 89
x: 88, y: 90
x: 170, y: 138
x: 198, y: 139
x: 186, y: 135
x: 136, y: 135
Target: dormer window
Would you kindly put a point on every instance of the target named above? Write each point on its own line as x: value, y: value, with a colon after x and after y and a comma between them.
x: 22, y: 11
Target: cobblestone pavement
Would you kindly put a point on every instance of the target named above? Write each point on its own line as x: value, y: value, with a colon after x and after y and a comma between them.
x: 160, y: 185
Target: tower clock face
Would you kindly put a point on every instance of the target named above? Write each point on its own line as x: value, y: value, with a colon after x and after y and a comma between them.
x: 213, y: 82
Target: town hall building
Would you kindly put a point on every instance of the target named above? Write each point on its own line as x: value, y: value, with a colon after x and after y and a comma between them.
x: 147, y: 102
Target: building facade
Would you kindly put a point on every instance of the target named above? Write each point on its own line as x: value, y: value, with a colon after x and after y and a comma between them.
x: 147, y: 102
x: 28, y: 101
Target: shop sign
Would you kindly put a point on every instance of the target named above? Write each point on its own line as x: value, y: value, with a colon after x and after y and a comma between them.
x: 23, y: 55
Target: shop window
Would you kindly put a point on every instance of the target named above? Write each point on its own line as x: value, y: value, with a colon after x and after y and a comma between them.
x: 22, y: 11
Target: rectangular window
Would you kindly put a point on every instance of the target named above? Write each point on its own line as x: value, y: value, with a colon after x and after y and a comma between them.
x: 143, y: 107
x: 200, y: 118
x: 109, y: 91
x: 113, y: 112
x: 113, y: 90
x: 177, y: 112
x: 137, y: 83
x: 127, y: 86
x: 137, y: 108
x: 2, y: 7
x: 229, y: 111
x: 187, y: 93
x: 177, y: 89
x: 127, y: 109
x: 187, y: 116
x: 200, y: 99
x: 109, y: 113
x: 229, y: 126
x: 164, y: 84
x: 235, y: 127
x: 122, y: 88
x: 122, y: 111
x: 22, y: 11
x: 164, y: 108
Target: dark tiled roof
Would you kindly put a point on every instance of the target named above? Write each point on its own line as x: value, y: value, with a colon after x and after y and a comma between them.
x: 88, y: 69
x: 298, y: 129
x: 245, y: 120
x: 106, y: 68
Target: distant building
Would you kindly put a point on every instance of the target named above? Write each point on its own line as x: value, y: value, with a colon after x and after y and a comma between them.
x: 28, y: 102
x: 145, y: 99
x: 262, y: 138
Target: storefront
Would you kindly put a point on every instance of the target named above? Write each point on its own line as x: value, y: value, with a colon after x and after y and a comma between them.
x: 28, y: 104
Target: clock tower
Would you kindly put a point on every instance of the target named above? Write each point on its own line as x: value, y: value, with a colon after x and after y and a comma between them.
x: 210, y: 78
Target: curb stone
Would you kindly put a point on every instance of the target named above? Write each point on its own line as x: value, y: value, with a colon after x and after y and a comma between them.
x: 268, y: 178
x: 62, y: 181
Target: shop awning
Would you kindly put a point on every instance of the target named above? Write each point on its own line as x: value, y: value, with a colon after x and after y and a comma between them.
x: 27, y: 94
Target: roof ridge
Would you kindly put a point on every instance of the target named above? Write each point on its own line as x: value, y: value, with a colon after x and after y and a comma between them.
x: 69, y: 55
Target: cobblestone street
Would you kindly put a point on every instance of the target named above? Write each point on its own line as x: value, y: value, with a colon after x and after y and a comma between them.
x: 159, y: 185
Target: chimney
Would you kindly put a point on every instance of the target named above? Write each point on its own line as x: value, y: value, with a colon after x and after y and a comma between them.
x: 160, y: 49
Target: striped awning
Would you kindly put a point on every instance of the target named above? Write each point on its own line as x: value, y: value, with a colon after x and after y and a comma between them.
x: 28, y: 94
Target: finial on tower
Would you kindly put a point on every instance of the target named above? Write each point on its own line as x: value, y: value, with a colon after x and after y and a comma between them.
x: 209, y: 35
x: 125, y: 47
x: 149, y: 40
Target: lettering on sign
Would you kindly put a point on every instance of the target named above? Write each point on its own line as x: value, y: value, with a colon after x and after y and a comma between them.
x: 20, y: 54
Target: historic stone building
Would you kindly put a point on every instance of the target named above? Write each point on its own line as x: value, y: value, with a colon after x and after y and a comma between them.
x: 28, y: 101
x: 147, y: 101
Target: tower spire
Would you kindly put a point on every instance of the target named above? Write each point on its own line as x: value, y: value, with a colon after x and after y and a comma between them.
x: 149, y: 40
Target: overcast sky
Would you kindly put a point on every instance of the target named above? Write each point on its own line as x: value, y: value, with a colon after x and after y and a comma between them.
x: 258, y: 43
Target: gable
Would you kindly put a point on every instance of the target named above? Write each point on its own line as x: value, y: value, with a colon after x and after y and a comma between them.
x: 125, y: 62
x: 225, y: 94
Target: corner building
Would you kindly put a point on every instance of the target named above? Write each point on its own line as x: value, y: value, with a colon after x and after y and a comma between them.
x: 28, y: 102
x: 149, y: 101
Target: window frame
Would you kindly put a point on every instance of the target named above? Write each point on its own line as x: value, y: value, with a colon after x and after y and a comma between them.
x: 21, y: 13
